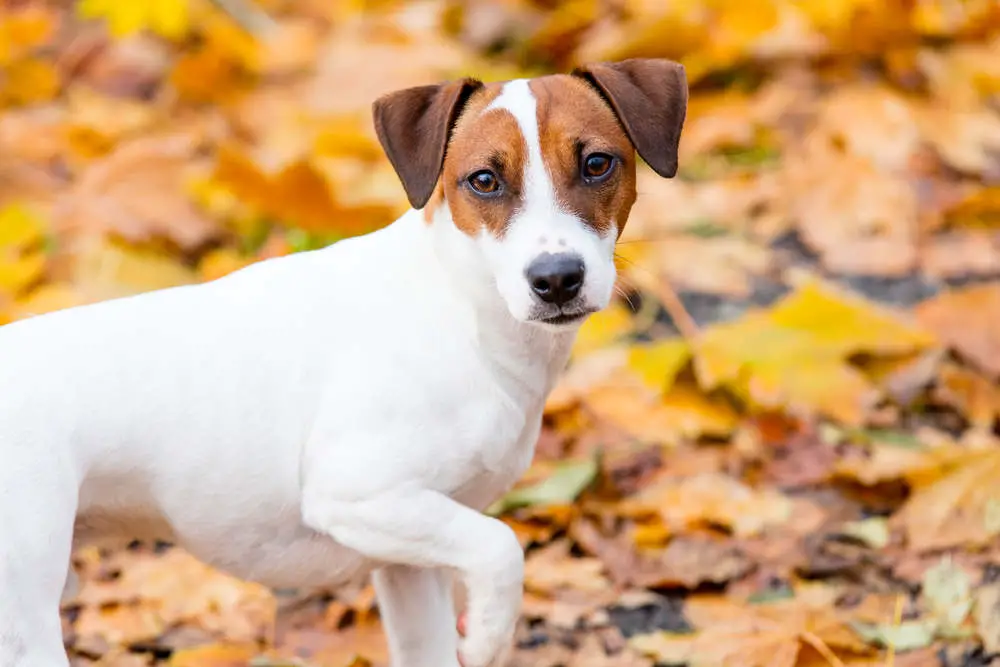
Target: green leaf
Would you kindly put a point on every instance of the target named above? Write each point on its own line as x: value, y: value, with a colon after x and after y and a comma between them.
x: 948, y: 592
x: 567, y: 482
x: 906, y: 636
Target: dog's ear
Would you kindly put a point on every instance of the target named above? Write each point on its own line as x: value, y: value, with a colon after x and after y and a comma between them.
x: 650, y: 96
x: 414, y: 125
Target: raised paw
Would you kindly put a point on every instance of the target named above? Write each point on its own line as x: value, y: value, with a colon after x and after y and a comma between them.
x: 484, y: 644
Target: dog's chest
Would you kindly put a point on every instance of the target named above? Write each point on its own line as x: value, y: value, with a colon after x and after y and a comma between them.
x: 490, y: 437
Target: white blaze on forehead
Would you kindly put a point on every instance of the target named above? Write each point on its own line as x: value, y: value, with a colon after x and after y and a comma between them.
x: 541, y: 225
x: 516, y: 97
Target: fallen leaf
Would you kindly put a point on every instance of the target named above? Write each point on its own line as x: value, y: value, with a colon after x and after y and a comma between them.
x: 214, y: 655
x: 165, y: 17
x: 947, y: 316
x: 103, y: 270
x: 567, y: 481
x: 762, y: 635
x: 987, y: 616
x: 905, y: 636
x: 551, y: 569
x: 963, y: 507
x: 874, y: 531
x: 795, y: 355
x: 659, y: 363
x: 603, y: 328
x: 948, y: 594
x: 29, y: 81
x: 710, y: 499
x: 689, y: 561
x: 138, y: 193
x: 967, y: 390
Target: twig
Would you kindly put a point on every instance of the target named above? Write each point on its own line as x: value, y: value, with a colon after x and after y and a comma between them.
x: 897, y: 619
x: 675, y: 307
x: 821, y: 648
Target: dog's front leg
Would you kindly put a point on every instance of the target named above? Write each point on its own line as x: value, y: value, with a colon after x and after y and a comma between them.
x: 420, y: 528
x: 418, y: 615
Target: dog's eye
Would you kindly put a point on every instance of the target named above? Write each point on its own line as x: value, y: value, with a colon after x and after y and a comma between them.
x: 484, y: 182
x: 597, y: 166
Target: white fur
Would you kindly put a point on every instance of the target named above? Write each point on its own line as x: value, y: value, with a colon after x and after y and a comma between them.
x: 542, y: 226
x: 297, y: 423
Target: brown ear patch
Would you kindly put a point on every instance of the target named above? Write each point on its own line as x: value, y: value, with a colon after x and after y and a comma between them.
x: 413, y: 126
x: 485, y: 139
x: 649, y: 96
x: 574, y: 122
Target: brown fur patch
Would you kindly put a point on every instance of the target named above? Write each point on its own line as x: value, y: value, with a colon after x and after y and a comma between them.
x: 573, y: 122
x: 482, y: 140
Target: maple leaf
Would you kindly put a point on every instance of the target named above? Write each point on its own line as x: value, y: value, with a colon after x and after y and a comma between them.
x: 168, y: 18
x: 962, y: 507
x: 763, y: 635
x: 138, y: 192
x: 947, y: 315
x: 795, y: 355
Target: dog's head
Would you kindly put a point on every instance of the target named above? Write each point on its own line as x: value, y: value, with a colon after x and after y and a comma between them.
x: 537, y: 176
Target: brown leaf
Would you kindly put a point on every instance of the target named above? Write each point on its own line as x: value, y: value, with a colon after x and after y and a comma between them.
x: 710, y: 499
x: 987, y: 616
x: 138, y: 193
x: 966, y: 320
x: 962, y: 507
x: 689, y: 561
x: 971, y: 393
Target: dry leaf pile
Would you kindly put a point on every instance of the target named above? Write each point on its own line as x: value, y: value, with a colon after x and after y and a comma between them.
x: 780, y: 448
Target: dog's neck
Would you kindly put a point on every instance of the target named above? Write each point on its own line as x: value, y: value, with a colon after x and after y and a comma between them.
x: 511, y: 342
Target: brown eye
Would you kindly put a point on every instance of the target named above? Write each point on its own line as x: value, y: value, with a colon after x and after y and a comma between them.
x: 597, y: 166
x: 484, y: 182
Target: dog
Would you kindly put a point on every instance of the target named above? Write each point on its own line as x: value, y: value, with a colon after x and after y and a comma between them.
x: 350, y: 410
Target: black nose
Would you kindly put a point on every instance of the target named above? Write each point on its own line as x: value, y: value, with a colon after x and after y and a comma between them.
x: 556, y: 278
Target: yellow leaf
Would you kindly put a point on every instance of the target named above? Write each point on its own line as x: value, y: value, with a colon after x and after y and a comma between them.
x: 19, y: 273
x: 659, y: 363
x: 602, y: 329
x: 168, y: 18
x: 29, y: 81
x: 299, y: 195
x: 204, y: 75
x: 795, y: 356
x: 693, y: 414
x: 847, y: 324
x: 225, y: 37
x: 19, y: 227
x: 221, y: 262
x: 346, y: 136
x: 214, y: 655
x: 22, y: 31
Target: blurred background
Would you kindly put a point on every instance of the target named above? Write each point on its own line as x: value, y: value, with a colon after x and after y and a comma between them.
x: 778, y: 449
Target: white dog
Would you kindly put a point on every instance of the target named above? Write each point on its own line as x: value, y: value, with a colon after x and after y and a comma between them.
x: 352, y: 409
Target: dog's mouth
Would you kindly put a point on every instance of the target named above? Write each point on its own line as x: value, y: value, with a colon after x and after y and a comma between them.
x: 565, y: 318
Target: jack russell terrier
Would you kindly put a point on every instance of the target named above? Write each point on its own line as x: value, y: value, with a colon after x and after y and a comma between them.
x: 319, y: 416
